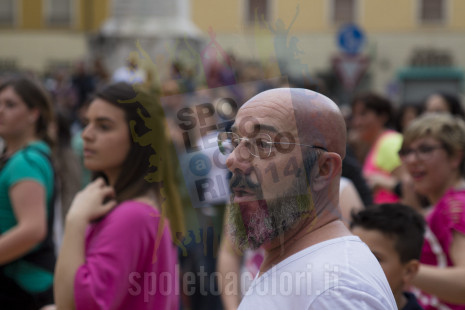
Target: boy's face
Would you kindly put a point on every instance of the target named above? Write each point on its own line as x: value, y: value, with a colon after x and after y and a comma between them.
x: 383, y: 248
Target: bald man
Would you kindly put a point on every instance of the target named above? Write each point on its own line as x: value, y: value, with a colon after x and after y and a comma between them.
x: 285, y: 154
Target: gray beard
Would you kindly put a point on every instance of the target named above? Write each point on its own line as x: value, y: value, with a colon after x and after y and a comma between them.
x: 276, y: 217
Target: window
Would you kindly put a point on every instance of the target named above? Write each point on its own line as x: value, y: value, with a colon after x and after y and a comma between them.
x: 145, y: 8
x: 7, y: 12
x: 58, y: 12
x: 432, y: 11
x: 8, y: 65
x: 343, y: 11
x: 257, y: 10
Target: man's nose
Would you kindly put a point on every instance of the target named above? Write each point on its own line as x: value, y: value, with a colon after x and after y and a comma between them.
x: 240, y: 158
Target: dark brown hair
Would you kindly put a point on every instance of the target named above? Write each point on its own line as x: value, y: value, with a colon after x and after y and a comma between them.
x: 35, y: 97
x: 396, y: 221
x: 376, y: 103
x: 452, y: 101
x: 148, y: 165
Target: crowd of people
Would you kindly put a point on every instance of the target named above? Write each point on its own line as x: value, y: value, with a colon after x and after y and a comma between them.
x: 325, y: 210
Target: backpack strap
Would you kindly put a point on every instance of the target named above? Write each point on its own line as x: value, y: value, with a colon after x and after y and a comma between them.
x: 44, y: 256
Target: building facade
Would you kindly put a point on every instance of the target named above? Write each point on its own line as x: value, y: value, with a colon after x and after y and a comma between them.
x: 38, y: 34
x: 411, y: 45
x: 407, y: 43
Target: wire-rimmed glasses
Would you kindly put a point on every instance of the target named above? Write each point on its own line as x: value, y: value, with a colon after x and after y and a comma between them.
x: 259, y: 146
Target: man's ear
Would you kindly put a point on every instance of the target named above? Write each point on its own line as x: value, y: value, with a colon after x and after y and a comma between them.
x: 410, y: 270
x: 329, y: 166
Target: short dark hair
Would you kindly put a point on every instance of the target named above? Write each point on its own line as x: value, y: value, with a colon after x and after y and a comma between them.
x: 398, y: 221
x: 402, y: 110
x: 376, y: 103
x: 452, y: 101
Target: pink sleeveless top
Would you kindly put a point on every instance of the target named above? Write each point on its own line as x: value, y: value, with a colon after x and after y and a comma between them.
x: 447, y: 217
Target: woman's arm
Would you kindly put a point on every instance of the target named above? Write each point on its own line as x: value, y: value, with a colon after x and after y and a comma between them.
x: 70, y: 258
x: 28, y: 201
x: 87, y: 206
x: 446, y: 283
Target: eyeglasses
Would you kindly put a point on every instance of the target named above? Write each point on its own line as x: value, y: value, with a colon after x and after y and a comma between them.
x: 423, y: 152
x: 258, y: 146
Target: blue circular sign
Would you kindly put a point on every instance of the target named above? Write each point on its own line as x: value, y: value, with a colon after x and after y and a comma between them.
x: 200, y: 165
x: 350, y: 39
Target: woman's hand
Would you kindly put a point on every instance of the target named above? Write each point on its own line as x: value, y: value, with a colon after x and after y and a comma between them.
x: 92, y: 202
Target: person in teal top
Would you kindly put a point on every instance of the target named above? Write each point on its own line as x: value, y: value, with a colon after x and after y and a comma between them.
x: 26, y: 196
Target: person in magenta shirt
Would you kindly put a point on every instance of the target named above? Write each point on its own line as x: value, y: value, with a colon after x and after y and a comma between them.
x: 433, y: 154
x: 118, y: 250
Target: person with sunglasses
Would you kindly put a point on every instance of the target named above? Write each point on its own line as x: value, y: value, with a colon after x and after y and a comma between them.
x: 285, y: 153
x: 433, y: 153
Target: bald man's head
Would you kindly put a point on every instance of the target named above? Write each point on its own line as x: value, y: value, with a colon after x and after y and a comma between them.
x: 317, y: 118
x: 276, y: 142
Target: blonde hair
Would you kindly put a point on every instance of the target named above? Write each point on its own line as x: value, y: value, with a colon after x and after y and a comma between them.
x: 448, y: 129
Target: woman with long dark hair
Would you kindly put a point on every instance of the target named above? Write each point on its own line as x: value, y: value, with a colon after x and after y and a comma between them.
x: 118, y: 250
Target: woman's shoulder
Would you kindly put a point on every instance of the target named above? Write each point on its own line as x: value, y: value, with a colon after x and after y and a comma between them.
x: 129, y: 216
x: 450, y: 210
x: 33, y: 162
x: 136, y: 207
x: 36, y: 152
x: 452, y: 204
x: 134, y: 211
x: 37, y: 147
x: 454, y: 195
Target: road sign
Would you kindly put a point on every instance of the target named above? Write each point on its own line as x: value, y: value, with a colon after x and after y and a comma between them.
x: 350, y: 39
x: 350, y: 69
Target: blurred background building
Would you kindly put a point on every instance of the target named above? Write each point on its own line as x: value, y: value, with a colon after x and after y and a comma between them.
x: 38, y: 34
x: 407, y: 46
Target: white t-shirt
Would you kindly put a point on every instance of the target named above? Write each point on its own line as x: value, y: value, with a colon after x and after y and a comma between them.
x: 343, y: 183
x: 340, y: 273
